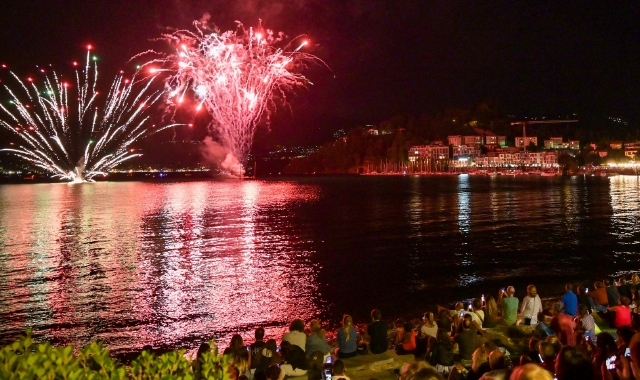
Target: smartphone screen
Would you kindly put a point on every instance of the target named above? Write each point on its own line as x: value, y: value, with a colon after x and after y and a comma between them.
x: 627, y: 352
x: 611, y: 363
x: 470, y: 307
x: 587, y: 335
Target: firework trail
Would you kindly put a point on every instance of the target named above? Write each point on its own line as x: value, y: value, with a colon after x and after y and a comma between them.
x: 237, y: 76
x: 66, y: 134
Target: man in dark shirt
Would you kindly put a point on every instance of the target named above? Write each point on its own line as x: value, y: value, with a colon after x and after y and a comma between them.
x: 466, y: 339
x: 377, y: 330
x: 255, y: 350
x: 624, y: 288
x: 612, y: 293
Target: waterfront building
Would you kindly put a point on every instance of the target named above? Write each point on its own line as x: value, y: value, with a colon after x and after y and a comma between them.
x: 558, y: 143
x: 472, y: 140
x: 432, y: 152
x: 455, y: 140
x: 495, y: 140
x: 631, y: 149
x: 522, y: 142
x: 469, y: 151
x: 429, y: 158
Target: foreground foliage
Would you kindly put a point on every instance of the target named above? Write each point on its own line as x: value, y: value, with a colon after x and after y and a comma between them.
x: 24, y: 359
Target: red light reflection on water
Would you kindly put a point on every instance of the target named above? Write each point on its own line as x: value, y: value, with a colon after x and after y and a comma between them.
x: 162, y: 264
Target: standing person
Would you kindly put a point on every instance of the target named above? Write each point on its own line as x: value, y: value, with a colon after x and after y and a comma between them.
x: 377, y: 331
x: 347, y: 339
x: 317, y: 341
x: 509, y: 305
x: 570, y: 301
x: 531, y: 306
x: 296, y: 334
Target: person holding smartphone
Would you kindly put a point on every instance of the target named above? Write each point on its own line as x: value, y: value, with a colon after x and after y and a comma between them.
x: 509, y: 305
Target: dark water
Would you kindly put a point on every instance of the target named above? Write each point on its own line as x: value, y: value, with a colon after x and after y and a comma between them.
x: 173, y: 264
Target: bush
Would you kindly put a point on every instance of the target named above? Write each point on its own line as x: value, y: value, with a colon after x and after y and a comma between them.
x: 26, y: 360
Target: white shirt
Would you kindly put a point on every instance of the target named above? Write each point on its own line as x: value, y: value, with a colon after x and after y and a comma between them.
x: 531, y: 307
x: 296, y: 337
x: 477, y: 316
x: 431, y: 331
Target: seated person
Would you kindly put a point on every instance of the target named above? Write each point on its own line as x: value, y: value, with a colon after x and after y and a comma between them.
x: 347, y: 339
x: 406, y: 340
x: 256, y: 348
x: 543, y: 330
x: 562, y: 324
x: 296, y: 334
x: 442, y: 352
x: 623, y: 313
x: 599, y: 296
x: 612, y: 293
x: 466, y: 340
x: 490, y: 313
x: 295, y: 360
x: 339, y: 371
x: 317, y: 341
x: 547, y: 356
x: 585, y: 322
x: 569, y: 300
x: 268, y: 356
x: 430, y: 327
x: 509, y: 305
x: 377, y: 330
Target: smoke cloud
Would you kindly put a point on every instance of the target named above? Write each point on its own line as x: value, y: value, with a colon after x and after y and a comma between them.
x: 216, y: 154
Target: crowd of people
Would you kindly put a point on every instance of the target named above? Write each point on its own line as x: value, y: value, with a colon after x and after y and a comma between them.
x: 465, y: 343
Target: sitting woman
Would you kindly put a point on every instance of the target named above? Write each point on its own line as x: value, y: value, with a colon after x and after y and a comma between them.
x: 406, y: 340
x: 430, y: 327
x: 490, y: 313
x: 240, y: 360
x: 347, y: 339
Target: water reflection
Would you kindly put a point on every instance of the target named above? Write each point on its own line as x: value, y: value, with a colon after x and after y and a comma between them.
x: 162, y: 264
x: 173, y: 264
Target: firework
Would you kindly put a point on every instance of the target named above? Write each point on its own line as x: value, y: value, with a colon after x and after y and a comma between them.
x: 237, y: 76
x: 67, y: 134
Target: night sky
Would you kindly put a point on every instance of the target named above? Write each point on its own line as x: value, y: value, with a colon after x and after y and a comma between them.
x: 387, y: 57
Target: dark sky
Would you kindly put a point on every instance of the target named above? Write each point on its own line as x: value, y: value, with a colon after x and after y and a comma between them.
x: 388, y: 57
